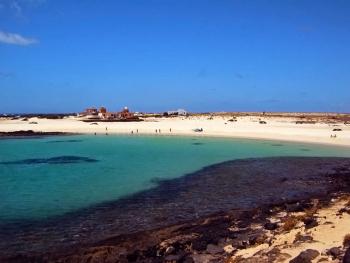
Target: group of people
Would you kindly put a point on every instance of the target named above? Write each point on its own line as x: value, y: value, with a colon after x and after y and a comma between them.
x: 156, y: 130
x: 137, y: 131
x: 159, y: 131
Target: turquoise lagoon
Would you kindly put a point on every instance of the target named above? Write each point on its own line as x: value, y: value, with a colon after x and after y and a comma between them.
x: 51, y: 176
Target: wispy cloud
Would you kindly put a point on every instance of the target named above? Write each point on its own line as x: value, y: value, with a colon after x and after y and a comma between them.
x: 16, y: 39
x: 18, y: 8
x: 14, y: 5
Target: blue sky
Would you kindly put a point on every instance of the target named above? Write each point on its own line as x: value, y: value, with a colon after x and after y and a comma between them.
x: 205, y: 55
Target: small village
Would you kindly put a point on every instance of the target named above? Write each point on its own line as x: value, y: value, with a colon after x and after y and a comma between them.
x: 102, y: 114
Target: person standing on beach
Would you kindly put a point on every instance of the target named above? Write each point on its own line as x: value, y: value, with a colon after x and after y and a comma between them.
x: 170, y: 129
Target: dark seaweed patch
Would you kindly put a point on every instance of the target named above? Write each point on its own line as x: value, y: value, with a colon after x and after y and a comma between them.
x: 157, y: 180
x: 64, y: 141
x: 54, y: 160
x: 239, y: 184
x: 277, y: 144
x: 197, y: 143
x: 305, y: 150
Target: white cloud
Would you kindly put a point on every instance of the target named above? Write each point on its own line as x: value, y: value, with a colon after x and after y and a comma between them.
x: 16, y: 39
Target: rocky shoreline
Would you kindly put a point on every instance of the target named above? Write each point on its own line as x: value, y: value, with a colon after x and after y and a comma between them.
x: 221, y: 238
x: 282, y: 231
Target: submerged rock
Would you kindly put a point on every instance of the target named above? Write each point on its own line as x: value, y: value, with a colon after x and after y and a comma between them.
x: 54, y: 160
x: 217, y: 202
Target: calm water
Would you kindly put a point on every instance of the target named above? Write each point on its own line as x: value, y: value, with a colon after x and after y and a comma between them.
x: 43, y: 177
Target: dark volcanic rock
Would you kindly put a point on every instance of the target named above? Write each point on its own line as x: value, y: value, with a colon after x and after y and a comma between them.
x: 176, y: 257
x: 200, y: 258
x: 301, y: 238
x: 310, y: 222
x: 296, y: 207
x: 346, y: 258
x: 199, y: 245
x: 228, y: 194
x: 271, y: 226
x: 254, y: 259
x: 214, y: 249
x: 169, y: 250
x: 188, y: 260
x: 344, y: 210
x: 306, y: 256
x: 335, y: 252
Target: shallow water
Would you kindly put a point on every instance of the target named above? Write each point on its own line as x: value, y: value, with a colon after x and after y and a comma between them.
x: 50, y: 176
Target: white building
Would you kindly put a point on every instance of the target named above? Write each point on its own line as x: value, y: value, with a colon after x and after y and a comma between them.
x: 179, y: 112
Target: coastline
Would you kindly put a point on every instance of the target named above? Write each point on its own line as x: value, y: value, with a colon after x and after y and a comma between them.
x: 280, y: 128
x: 169, y: 240
x: 264, y: 234
x: 207, y: 235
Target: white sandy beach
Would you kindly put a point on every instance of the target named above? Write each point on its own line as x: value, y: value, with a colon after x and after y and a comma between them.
x: 332, y: 226
x: 276, y: 128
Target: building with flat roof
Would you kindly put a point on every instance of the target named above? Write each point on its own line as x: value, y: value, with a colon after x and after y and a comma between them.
x: 179, y: 112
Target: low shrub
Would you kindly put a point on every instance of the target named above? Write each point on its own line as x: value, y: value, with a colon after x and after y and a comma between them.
x: 290, y: 223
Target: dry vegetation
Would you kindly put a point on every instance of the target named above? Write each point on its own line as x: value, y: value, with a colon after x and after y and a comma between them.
x: 290, y: 223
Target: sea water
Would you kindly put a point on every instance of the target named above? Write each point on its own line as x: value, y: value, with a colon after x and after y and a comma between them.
x: 51, y: 176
